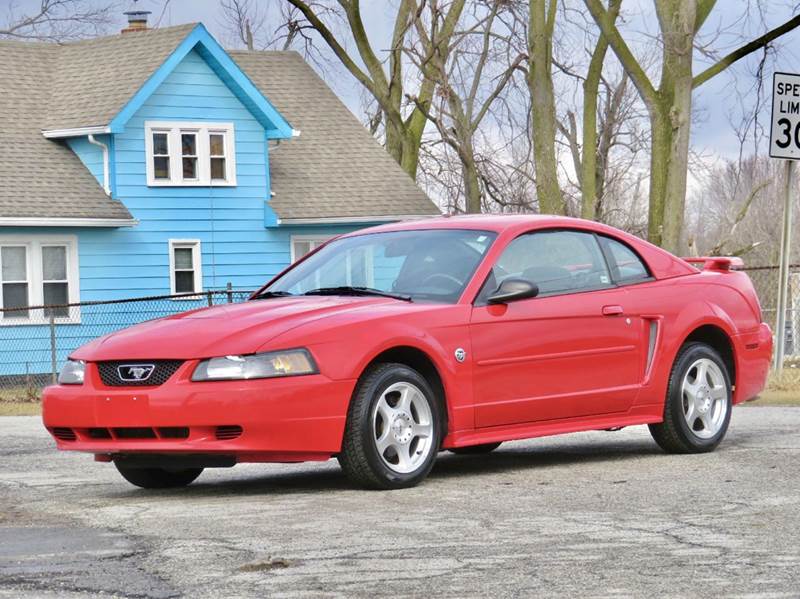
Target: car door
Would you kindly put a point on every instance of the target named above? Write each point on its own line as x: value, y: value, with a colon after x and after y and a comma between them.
x: 571, y: 351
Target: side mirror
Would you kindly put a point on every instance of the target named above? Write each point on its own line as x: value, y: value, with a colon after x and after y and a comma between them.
x: 513, y: 289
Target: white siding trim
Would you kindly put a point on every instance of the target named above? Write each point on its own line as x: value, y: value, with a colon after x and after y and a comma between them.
x: 34, y: 244
x: 75, y: 132
x: 197, y: 265
x: 67, y: 222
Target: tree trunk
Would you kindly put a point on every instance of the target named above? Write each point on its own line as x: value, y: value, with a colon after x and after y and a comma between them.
x: 671, y: 123
x: 590, y: 173
x: 543, y: 110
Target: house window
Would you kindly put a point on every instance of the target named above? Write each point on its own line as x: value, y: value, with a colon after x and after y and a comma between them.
x: 203, y: 152
x: 38, y: 271
x: 217, y: 153
x: 303, y: 244
x: 15, y: 279
x: 55, y: 285
x: 185, y: 263
x: 161, y: 155
x: 189, y: 155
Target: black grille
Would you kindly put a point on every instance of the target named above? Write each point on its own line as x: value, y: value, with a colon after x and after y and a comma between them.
x: 134, y: 433
x: 64, y: 434
x: 163, y: 369
x: 228, y: 432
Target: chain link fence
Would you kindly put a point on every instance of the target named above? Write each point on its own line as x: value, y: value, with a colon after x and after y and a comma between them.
x: 765, y: 280
x: 35, y: 341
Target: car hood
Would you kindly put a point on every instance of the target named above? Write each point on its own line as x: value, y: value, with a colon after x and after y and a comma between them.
x: 222, y: 330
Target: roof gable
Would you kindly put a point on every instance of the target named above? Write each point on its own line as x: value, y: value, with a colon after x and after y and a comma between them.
x: 226, y: 69
x: 101, y: 83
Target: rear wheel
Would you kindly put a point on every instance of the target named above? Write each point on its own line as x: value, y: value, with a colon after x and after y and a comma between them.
x: 393, y: 429
x: 475, y: 449
x: 158, y: 478
x: 698, y: 406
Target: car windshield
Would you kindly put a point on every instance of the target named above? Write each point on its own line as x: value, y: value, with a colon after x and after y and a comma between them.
x: 429, y: 265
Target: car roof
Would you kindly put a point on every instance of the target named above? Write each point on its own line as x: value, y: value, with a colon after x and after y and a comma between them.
x: 498, y: 223
x: 662, y: 263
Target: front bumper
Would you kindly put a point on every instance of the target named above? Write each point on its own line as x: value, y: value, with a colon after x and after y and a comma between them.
x: 281, y: 419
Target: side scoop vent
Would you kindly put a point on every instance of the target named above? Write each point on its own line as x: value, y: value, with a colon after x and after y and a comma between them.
x: 228, y: 432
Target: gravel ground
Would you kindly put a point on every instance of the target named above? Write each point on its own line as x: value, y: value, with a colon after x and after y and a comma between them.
x: 601, y: 514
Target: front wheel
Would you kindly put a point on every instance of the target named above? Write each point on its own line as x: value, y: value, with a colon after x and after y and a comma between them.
x: 158, y: 478
x: 393, y: 429
x: 698, y: 403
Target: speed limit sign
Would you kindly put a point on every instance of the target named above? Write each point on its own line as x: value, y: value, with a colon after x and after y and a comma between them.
x: 784, y: 140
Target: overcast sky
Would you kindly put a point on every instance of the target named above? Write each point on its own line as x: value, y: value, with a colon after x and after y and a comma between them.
x: 717, y: 99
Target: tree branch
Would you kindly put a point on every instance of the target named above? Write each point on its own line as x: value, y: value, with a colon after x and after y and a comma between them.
x: 743, y: 51
x: 334, y: 45
x: 609, y: 30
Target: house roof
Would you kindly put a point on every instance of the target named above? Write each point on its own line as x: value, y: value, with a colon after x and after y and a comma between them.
x: 41, y: 178
x: 334, y: 170
x: 93, y: 79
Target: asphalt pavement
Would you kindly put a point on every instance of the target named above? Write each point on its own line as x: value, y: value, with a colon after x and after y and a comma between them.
x: 601, y: 514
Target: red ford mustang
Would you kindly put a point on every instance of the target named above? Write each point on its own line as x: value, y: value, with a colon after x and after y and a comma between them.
x: 386, y: 345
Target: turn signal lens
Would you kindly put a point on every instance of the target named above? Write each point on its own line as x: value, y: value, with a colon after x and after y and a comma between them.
x: 72, y: 373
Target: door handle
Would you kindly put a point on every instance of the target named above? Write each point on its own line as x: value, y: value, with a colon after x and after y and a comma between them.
x: 612, y: 310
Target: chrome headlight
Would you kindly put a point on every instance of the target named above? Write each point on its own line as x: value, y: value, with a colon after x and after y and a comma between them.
x: 290, y: 362
x: 72, y: 373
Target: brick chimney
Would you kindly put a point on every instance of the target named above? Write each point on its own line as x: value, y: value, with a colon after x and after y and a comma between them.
x: 137, y: 19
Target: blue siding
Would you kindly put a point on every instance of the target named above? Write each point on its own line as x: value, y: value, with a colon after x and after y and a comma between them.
x: 236, y: 246
x: 90, y: 154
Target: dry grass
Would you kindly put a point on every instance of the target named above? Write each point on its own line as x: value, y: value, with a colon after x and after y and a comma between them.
x: 783, y: 389
x: 18, y: 408
x: 20, y: 401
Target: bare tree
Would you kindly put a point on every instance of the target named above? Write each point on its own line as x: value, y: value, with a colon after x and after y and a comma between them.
x: 468, y: 84
x: 56, y: 20
x: 541, y: 25
x: 385, y: 79
x: 670, y: 104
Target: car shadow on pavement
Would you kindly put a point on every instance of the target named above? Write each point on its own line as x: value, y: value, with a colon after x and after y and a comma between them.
x: 330, y: 478
x: 511, y: 458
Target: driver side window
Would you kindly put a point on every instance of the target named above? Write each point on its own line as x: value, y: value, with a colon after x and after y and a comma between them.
x: 556, y: 261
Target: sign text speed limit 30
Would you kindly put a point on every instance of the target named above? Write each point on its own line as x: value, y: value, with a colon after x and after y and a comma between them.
x: 784, y: 141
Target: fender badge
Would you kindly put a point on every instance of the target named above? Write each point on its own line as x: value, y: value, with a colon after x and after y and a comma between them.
x: 461, y: 355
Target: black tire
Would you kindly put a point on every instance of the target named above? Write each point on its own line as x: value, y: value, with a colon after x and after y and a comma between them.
x: 359, y: 457
x: 475, y: 449
x: 674, y: 435
x: 158, y: 478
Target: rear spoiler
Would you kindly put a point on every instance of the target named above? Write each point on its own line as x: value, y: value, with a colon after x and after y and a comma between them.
x: 718, y: 263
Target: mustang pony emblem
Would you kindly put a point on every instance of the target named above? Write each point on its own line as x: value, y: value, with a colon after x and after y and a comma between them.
x: 135, y: 372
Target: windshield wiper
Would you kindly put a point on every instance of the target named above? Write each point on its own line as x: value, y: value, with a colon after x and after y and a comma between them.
x: 266, y: 294
x: 349, y: 290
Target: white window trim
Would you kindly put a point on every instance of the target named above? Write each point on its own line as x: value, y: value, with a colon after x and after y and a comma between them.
x: 197, y: 265
x: 314, y: 239
x: 202, y: 130
x: 35, y: 274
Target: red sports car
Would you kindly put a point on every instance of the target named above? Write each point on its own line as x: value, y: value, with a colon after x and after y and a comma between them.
x: 385, y: 346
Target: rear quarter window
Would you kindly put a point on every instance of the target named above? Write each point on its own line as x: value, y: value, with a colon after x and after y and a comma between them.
x: 626, y: 266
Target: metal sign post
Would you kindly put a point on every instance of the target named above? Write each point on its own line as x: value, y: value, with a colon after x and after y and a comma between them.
x: 784, y: 142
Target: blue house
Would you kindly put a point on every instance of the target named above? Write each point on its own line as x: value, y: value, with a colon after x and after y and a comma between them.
x: 155, y: 162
